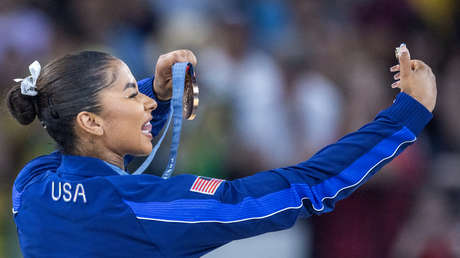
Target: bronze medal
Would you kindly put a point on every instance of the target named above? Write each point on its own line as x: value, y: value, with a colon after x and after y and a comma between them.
x: 190, y: 99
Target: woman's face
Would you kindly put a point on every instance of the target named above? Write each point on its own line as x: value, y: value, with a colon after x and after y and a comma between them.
x: 126, y: 115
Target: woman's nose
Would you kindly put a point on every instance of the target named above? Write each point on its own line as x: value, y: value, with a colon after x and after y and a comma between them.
x: 150, y: 104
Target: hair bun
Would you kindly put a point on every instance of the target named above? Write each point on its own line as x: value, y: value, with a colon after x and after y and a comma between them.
x: 20, y: 106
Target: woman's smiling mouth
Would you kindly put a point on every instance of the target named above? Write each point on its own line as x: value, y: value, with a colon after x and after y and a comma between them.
x: 146, y: 129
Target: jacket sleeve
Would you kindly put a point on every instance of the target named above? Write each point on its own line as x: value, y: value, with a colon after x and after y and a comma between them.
x: 199, y: 214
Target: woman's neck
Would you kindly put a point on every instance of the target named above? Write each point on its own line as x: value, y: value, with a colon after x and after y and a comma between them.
x: 104, y: 154
x: 114, y: 160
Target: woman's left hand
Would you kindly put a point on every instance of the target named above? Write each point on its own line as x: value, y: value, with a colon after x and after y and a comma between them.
x: 162, y: 85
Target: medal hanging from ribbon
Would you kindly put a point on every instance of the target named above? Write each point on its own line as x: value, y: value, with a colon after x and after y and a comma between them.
x: 184, y: 103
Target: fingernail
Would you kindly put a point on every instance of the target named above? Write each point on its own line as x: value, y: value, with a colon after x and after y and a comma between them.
x: 403, y: 48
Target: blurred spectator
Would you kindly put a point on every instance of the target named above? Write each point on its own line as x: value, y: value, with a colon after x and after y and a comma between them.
x: 317, y: 104
x: 258, y: 115
x: 27, y: 36
x: 449, y: 94
x: 367, y: 223
x: 433, y: 229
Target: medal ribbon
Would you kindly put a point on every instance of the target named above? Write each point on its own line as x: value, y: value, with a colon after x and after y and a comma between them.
x: 179, y: 71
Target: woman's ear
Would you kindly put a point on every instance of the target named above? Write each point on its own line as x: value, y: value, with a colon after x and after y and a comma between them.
x: 90, y: 123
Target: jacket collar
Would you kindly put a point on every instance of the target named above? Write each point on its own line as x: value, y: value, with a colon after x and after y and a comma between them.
x: 85, y: 166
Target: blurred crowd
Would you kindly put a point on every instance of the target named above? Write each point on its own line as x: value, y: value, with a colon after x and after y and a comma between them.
x: 278, y: 80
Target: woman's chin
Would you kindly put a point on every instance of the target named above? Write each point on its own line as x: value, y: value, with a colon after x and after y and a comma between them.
x: 145, y: 150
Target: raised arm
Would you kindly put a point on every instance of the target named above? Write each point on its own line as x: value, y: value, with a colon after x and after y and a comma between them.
x: 272, y: 200
x: 212, y: 212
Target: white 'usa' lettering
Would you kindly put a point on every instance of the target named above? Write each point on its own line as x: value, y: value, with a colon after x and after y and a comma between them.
x: 65, y: 192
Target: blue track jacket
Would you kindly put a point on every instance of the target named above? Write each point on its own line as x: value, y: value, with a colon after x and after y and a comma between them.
x: 73, y: 206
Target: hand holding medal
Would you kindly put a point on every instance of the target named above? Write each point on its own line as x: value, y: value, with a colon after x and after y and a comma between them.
x: 174, y: 80
x: 162, y: 84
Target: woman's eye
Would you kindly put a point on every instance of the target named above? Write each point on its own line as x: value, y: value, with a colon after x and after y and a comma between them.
x: 133, y: 95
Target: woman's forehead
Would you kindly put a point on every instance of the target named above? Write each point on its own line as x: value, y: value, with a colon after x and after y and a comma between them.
x: 122, y: 75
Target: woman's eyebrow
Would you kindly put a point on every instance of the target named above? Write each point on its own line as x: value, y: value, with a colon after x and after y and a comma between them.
x: 129, y: 85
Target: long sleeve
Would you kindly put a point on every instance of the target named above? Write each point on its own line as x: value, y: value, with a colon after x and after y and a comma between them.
x: 189, y: 215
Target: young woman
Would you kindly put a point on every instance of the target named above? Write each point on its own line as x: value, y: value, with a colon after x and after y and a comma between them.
x: 79, y: 201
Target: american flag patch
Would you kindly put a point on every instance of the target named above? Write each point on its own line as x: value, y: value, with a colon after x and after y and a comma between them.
x: 206, y: 185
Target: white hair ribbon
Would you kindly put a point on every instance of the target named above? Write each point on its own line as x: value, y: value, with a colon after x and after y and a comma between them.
x: 28, y: 84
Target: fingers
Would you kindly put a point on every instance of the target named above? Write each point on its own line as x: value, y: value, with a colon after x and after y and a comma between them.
x: 184, y: 55
x: 178, y: 56
x: 394, y: 68
x: 404, y: 61
x: 415, y: 66
x: 405, y: 67
x: 191, y: 58
x: 397, y: 76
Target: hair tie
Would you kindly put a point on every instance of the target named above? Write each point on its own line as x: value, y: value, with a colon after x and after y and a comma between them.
x: 28, y: 84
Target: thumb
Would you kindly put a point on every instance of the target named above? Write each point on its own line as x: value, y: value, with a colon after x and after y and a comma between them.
x: 404, y: 60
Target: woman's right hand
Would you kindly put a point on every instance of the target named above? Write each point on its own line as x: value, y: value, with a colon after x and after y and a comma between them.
x: 162, y: 85
x: 415, y: 78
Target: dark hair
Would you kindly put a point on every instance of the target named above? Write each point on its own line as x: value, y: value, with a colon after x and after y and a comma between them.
x: 66, y: 86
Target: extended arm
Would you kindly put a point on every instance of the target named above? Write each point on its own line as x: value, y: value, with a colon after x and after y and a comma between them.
x: 272, y: 200
x: 200, y: 214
